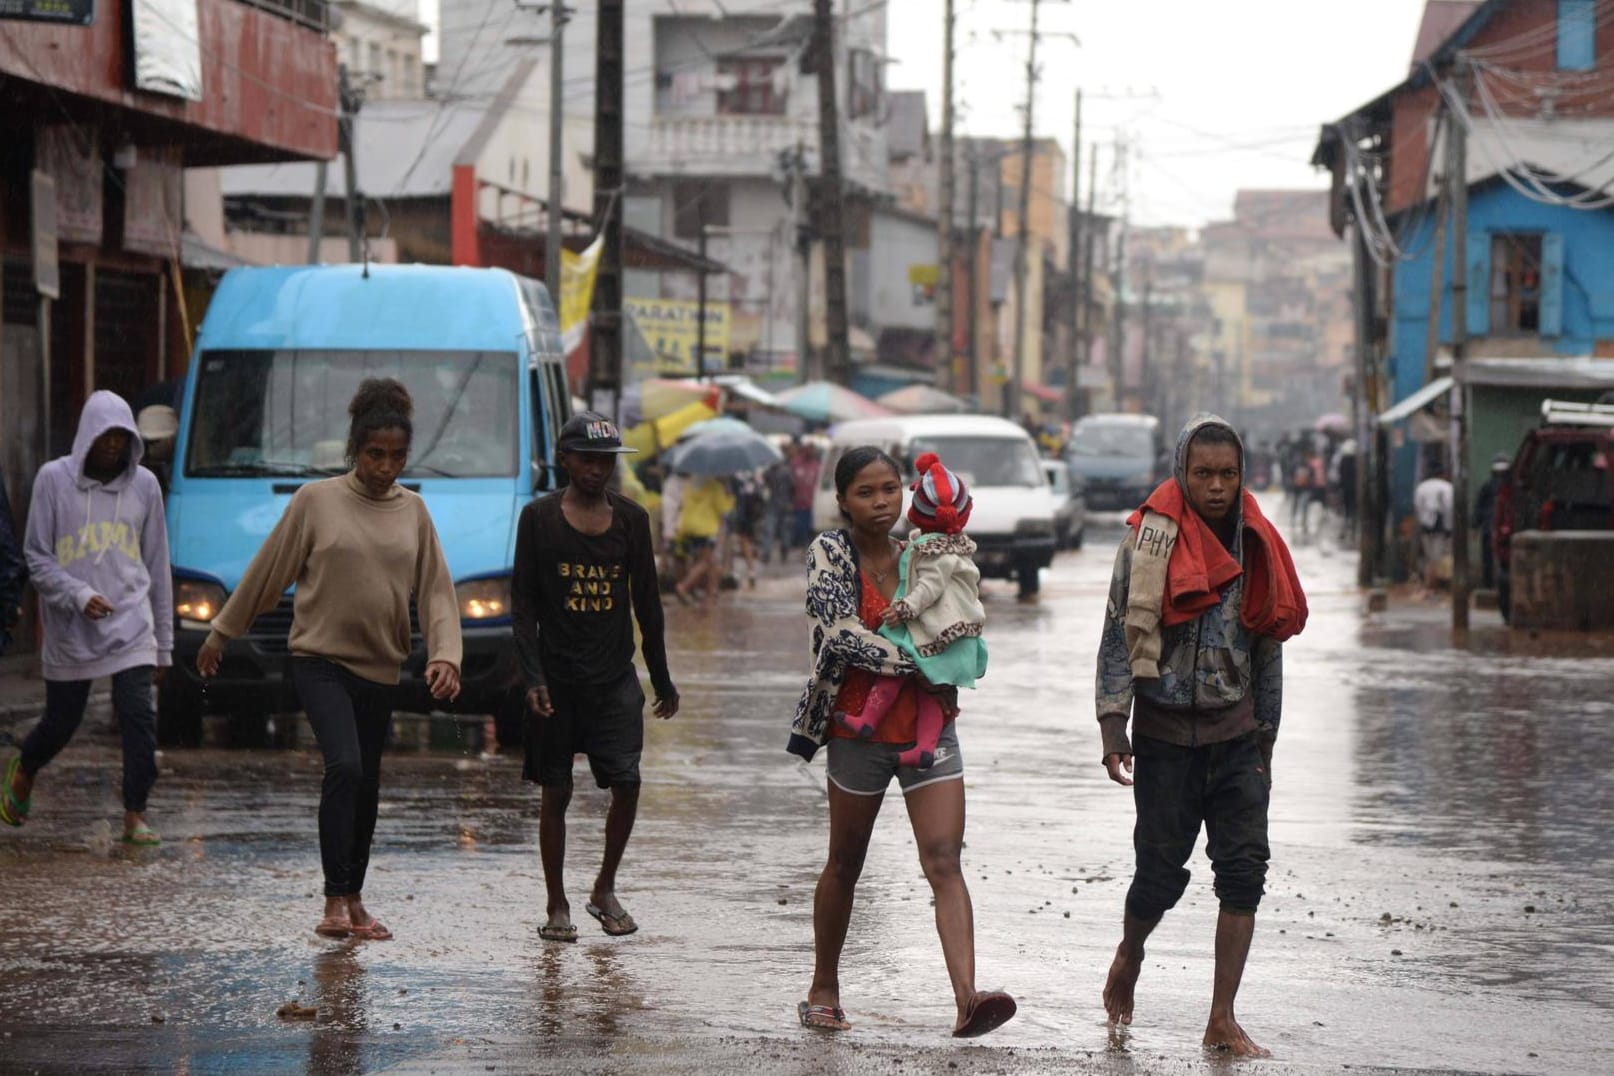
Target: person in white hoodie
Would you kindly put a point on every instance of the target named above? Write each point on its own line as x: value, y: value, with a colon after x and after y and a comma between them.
x: 97, y: 552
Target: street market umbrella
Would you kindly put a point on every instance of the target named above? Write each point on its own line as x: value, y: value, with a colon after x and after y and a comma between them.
x: 723, y: 452
x: 822, y: 401
x: 659, y: 397
x: 657, y: 434
x: 1333, y: 423
x: 720, y: 424
x: 920, y: 399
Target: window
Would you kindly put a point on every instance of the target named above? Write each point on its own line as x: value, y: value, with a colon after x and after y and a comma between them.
x: 1577, y: 35
x: 375, y: 60
x: 863, y: 90
x: 408, y: 88
x: 697, y: 203
x: 752, y: 87
x: 1515, y: 284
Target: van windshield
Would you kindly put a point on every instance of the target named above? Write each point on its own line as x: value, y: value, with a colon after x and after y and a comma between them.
x: 284, y: 412
x: 1094, y: 439
x: 986, y: 461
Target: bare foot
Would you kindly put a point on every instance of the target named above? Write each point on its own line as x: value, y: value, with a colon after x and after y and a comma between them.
x: 1224, y: 1035
x: 1124, y: 972
x: 560, y: 918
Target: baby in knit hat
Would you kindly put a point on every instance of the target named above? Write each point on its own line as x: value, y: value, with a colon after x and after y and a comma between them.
x: 936, y: 616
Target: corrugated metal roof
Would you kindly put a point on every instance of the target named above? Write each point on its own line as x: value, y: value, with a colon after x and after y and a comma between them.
x: 390, y: 136
x: 1441, y: 18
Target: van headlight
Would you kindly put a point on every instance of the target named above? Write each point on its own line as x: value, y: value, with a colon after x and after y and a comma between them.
x: 484, y: 599
x: 197, y: 602
x: 1034, y: 528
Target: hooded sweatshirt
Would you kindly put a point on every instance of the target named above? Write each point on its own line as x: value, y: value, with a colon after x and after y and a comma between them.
x: 87, y: 538
x: 1217, y: 679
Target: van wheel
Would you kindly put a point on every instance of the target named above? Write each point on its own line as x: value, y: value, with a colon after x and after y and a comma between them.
x: 510, y: 716
x: 179, y: 713
x: 1029, y: 578
x: 1077, y: 538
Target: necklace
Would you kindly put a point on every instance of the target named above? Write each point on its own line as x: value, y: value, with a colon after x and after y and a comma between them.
x: 881, y: 576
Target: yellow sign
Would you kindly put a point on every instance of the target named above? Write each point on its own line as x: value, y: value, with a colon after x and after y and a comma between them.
x: 577, y: 272
x: 672, y: 328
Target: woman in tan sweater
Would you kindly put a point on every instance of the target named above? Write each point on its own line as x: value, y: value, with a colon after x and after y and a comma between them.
x: 357, y: 547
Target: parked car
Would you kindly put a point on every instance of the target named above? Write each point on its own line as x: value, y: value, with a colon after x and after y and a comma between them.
x: 1070, y: 522
x: 1118, y: 458
x: 1013, y: 522
x: 1561, y: 479
x: 277, y: 358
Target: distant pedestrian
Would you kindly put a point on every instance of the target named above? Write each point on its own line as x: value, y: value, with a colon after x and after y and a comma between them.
x: 1203, y: 594
x: 97, y: 550
x: 1432, y: 505
x: 936, y: 617
x: 358, y: 547
x: 13, y: 572
x: 851, y: 580
x: 706, y: 502
x: 585, y: 568
x: 781, y: 510
x: 804, y: 471
x: 1484, y: 518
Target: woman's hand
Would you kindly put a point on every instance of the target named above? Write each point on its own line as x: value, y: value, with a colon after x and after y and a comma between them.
x: 208, y: 660
x: 444, y: 681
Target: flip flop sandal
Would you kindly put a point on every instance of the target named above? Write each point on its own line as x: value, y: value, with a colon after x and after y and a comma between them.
x: 13, y: 812
x: 822, y: 1017
x: 988, y: 1012
x: 142, y: 836
x: 614, y: 925
x: 374, y: 930
x: 558, y: 934
x: 330, y: 927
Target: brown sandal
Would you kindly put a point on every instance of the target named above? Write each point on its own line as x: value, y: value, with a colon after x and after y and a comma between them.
x: 333, y: 926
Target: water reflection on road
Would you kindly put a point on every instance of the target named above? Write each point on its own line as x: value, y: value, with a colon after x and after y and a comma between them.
x: 1440, y: 895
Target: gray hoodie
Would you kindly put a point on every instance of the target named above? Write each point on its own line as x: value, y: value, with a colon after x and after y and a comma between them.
x: 88, y: 538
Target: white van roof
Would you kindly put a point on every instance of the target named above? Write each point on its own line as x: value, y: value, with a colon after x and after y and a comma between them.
x: 902, y: 427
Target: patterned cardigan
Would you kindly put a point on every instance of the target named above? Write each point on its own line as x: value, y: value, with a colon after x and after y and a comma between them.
x: 839, y: 639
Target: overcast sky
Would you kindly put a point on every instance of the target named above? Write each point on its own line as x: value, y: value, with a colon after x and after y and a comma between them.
x: 1213, y: 97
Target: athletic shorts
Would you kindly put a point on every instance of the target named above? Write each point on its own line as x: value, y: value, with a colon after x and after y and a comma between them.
x: 603, y: 721
x: 864, y: 768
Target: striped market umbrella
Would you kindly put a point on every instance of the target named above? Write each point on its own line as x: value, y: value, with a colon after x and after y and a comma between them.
x: 822, y: 401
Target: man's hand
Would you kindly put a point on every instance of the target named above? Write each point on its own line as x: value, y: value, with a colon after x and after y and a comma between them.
x: 159, y: 675
x: 538, y: 703
x: 443, y: 680
x: 1115, y: 764
x: 666, y: 706
x: 97, y: 608
x: 208, y: 660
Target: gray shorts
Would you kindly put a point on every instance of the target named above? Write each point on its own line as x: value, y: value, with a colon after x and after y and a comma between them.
x: 865, y: 769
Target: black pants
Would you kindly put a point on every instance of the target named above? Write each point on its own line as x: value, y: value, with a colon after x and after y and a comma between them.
x: 1176, y: 789
x: 65, y: 701
x: 350, y: 716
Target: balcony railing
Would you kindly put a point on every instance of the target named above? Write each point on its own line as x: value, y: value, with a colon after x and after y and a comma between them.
x: 314, y: 14
x: 725, y: 144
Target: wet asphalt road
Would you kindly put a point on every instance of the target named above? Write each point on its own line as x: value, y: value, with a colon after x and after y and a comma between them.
x: 1440, y: 897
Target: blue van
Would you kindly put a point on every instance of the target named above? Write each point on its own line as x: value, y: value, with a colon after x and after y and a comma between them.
x: 279, y: 355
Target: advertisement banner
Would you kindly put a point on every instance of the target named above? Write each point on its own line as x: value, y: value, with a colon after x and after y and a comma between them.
x: 672, y: 329
x: 79, y: 12
x: 577, y: 273
x: 167, y: 47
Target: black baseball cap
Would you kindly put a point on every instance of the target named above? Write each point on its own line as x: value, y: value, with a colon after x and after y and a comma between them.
x: 590, y: 431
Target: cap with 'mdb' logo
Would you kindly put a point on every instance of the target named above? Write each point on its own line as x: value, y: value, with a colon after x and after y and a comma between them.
x: 591, y: 432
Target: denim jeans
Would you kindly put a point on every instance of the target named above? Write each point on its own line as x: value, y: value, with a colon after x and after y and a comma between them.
x: 1223, y: 786
x: 350, y: 716
x: 65, y: 701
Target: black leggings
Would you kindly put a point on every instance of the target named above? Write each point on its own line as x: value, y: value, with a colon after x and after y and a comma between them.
x: 350, y: 716
x: 65, y: 701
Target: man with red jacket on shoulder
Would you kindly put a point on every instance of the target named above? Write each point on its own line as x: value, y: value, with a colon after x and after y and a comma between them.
x: 1203, y: 595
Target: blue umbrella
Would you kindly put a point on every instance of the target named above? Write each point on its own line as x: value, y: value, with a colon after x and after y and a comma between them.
x: 723, y: 452
x: 720, y: 424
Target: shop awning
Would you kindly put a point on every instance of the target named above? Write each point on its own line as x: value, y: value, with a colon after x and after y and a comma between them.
x: 1410, y: 406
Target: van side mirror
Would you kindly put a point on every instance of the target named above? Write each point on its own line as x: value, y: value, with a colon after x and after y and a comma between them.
x: 543, y: 476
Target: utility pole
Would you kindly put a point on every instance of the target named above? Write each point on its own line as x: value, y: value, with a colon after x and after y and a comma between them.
x: 795, y: 166
x: 972, y: 350
x: 316, y: 212
x: 1118, y: 281
x: 1457, y: 186
x: 1089, y: 243
x: 830, y: 210
x: 1022, y: 261
x: 944, y: 210
x: 1369, y: 526
x: 1073, y: 394
x: 348, y: 100
x: 605, y: 343
x: 700, y: 294
x: 557, y: 91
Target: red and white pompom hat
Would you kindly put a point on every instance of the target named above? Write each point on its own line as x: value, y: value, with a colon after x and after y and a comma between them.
x: 941, y: 501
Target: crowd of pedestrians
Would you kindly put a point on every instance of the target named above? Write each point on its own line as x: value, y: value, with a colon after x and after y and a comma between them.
x: 1201, y: 579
